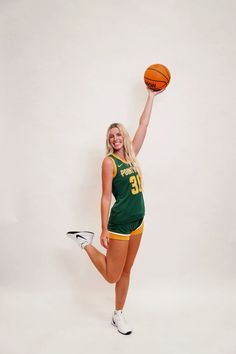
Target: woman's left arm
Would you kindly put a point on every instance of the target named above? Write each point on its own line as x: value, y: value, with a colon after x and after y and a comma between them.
x: 144, y: 121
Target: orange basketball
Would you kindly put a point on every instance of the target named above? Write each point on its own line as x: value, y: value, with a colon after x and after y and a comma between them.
x: 157, y: 77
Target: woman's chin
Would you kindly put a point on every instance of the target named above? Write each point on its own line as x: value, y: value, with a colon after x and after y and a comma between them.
x: 117, y: 148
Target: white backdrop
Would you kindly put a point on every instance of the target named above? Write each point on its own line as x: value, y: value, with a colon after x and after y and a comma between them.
x: 68, y: 70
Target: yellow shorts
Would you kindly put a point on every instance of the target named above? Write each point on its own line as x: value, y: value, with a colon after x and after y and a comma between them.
x: 123, y: 232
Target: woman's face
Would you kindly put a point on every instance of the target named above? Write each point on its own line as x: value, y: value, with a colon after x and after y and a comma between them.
x: 116, y: 139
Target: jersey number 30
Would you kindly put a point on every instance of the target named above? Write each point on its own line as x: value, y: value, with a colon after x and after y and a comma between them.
x: 135, y: 184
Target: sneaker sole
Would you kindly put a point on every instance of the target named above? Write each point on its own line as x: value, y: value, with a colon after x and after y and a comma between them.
x: 125, y: 334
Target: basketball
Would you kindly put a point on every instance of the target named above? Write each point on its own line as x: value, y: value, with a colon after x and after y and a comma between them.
x: 157, y: 77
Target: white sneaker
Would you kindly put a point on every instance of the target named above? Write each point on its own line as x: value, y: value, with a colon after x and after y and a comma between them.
x: 119, y: 321
x: 82, y: 238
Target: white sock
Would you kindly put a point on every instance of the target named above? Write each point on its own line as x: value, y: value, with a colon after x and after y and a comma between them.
x: 116, y: 312
x: 84, y: 245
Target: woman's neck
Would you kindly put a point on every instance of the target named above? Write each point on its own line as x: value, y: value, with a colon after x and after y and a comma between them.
x: 120, y: 153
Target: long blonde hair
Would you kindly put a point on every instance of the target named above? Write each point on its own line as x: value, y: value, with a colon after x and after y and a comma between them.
x: 128, y: 148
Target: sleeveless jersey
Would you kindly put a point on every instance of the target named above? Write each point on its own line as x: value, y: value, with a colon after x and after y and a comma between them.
x: 126, y: 188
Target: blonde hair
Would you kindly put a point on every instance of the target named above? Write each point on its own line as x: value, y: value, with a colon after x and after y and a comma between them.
x: 128, y: 148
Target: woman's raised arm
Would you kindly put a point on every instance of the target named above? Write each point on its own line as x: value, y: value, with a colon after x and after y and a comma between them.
x: 144, y: 121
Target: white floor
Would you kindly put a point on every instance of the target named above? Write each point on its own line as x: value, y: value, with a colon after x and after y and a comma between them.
x: 170, y: 321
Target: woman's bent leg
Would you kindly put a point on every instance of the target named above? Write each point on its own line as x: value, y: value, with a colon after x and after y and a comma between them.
x: 111, y: 265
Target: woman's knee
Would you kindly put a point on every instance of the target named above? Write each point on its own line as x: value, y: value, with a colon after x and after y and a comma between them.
x: 113, y: 278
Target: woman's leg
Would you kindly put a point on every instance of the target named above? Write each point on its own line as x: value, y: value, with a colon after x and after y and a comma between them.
x: 111, y: 265
x: 123, y: 283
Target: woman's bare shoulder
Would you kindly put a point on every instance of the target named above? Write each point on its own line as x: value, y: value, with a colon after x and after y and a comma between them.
x: 107, y: 162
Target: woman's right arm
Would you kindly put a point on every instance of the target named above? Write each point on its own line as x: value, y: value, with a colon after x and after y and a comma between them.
x: 107, y: 177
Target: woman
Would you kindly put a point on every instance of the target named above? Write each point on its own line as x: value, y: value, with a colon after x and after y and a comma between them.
x: 122, y: 230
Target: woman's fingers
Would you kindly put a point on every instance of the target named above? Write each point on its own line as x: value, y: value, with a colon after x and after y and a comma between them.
x: 154, y: 93
x: 104, y: 242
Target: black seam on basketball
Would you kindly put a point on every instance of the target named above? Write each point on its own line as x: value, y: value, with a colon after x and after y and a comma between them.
x: 168, y: 78
x: 160, y: 88
x: 160, y: 73
x: 145, y: 77
x: 154, y: 88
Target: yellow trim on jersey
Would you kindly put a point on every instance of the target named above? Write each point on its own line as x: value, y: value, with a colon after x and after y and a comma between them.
x: 138, y: 231
x: 119, y: 158
x: 115, y: 167
x: 115, y: 236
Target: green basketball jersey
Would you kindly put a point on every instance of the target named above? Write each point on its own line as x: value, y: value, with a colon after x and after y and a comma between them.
x: 126, y: 188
